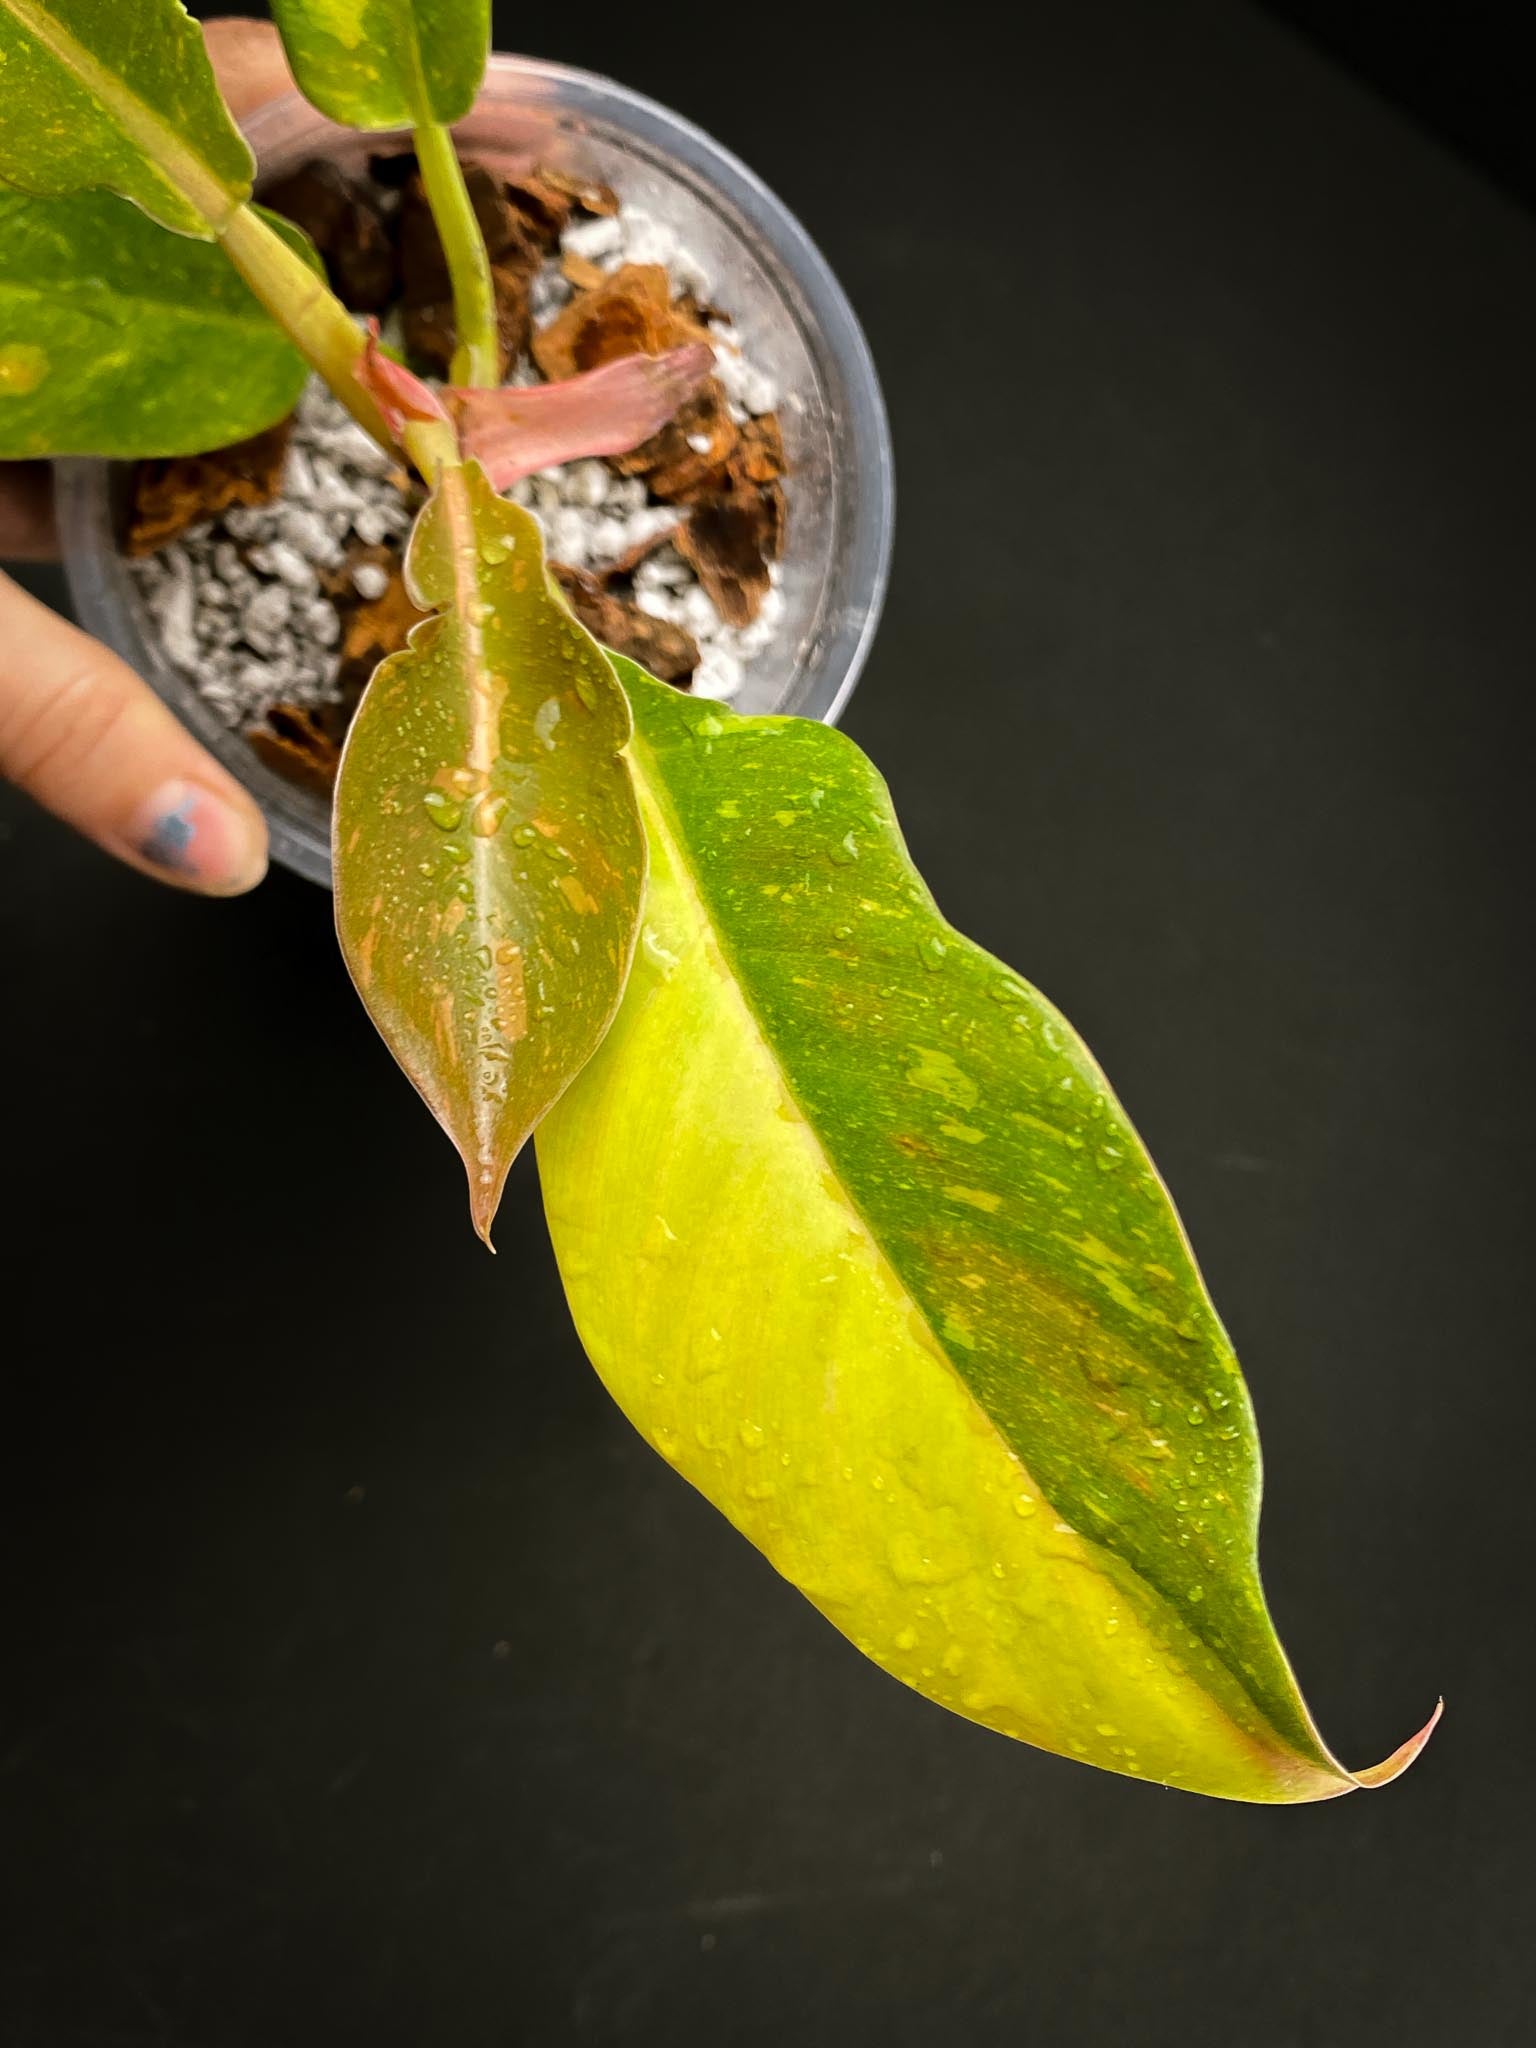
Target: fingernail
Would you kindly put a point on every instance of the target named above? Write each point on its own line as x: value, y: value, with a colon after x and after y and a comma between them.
x: 199, y: 839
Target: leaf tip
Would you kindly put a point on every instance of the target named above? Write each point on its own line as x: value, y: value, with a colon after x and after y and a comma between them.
x: 1401, y: 1757
x: 485, y: 1191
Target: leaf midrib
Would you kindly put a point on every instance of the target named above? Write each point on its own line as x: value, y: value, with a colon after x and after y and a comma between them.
x: 414, y: 67
x: 463, y: 554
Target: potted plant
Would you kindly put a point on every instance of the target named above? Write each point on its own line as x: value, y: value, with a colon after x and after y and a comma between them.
x: 968, y: 1392
x: 795, y: 323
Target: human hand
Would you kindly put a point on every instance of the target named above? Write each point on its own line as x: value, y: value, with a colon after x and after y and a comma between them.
x: 79, y: 731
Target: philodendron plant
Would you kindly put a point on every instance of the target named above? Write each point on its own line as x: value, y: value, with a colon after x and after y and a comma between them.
x: 851, y: 1224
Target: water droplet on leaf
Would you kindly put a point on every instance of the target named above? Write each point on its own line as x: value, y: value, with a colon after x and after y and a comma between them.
x: 444, y: 810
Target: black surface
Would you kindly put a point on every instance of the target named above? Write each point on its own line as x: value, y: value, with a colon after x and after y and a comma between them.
x: 1458, y: 66
x: 366, y: 1680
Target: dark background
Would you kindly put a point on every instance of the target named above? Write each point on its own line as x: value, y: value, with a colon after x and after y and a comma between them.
x: 364, y: 1678
x: 1460, y: 66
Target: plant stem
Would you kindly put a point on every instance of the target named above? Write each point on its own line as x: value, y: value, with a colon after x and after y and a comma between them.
x: 433, y: 446
x: 477, y: 358
x: 313, y: 318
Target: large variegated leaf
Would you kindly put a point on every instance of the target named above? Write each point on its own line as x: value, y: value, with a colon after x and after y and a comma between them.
x: 857, y: 1234
x: 118, y: 94
x: 387, y: 63
x: 117, y: 338
x: 489, y: 855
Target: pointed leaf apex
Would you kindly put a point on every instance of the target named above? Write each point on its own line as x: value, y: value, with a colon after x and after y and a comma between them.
x: 487, y: 1185
x: 1401, y: 1757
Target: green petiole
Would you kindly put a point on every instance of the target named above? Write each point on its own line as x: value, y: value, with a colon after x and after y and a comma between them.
x: 308, y: 312
x: 477, y: 359
x: 432, y: 446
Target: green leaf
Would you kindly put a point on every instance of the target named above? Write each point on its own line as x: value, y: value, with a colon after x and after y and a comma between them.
x: 855, y: 1231
x: 489, y: 854
x: 118, y: 94
x: 387, y: 63
x: 123, y: 340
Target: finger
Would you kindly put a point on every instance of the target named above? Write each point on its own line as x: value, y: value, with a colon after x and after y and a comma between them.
x: 83, y: 735
x: 248, y: 61
x: 26, y: 513
x: 78, y: 730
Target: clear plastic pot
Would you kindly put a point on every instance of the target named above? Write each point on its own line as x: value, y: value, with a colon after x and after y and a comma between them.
x: 795, y: 323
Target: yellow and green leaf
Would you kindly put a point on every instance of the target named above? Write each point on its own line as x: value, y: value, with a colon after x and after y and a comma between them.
x: 857, y: 1234
x: 387, y: 63
x: 118, y: 95
x: 488, y: 850
x: 117, y: 338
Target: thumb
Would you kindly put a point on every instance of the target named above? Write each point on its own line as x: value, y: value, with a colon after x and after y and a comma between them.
x: 83, y: 735
x: 248, y: 62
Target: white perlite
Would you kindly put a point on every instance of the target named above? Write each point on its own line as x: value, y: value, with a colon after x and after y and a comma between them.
x: 237, y: 601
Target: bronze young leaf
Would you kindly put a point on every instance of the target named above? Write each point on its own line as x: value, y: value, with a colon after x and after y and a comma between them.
x: 489, y: 855
x: 856, y: 1232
